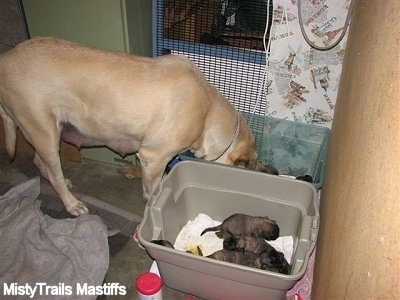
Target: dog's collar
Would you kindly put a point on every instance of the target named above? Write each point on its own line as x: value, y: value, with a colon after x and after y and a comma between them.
x: 232, y: 139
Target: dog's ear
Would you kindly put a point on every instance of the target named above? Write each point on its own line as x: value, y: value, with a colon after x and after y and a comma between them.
x: 244, y: 157
x: 244, y: 152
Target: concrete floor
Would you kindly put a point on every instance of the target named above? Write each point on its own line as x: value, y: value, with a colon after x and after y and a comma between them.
x: 106, y: 183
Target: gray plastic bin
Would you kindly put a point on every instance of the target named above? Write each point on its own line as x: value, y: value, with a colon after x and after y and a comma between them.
x: 219, y: 191
x: 293, y: 148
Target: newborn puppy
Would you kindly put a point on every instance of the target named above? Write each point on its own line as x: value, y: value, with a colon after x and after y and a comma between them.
x: 242, y: 225
x: 259, y: 167
x: 307, y: 178
x: 247, y: 243
x: 272, y: 260
x: 268, y: 169
x: 268, y: 258
x: 245, y: 258
x: 163, y: 243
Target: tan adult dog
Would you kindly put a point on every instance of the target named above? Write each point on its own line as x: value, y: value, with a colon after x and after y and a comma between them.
x: 52, y: 89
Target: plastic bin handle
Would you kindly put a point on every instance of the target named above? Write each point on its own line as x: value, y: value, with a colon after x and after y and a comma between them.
x: 309, y: 228
x: 156, y: 193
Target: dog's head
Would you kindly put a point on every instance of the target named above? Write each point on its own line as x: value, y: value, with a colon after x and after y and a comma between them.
x: 273, y: 260
x: 243, y: 152
x: 266, y: 228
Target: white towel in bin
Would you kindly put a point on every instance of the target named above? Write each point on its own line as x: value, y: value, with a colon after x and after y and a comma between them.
x: 189, y: 236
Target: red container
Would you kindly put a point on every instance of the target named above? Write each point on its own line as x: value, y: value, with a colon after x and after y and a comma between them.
x: 149, y: 286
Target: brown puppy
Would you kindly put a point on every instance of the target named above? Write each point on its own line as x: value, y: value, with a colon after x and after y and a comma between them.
x: 243, y: 225
x: 268, y: 258
x: 247, y: 243
x: 273, y: 260
x: 265, y: 261
x: 52, y: 89
x: 247, y: 259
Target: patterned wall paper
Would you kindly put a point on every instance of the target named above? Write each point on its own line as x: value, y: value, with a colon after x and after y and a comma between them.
x: 303, y: 81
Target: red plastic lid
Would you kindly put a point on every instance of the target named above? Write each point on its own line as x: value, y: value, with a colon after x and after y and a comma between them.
x: 148, y: 283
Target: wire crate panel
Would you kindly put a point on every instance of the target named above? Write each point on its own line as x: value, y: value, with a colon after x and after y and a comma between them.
x: 225, y: 40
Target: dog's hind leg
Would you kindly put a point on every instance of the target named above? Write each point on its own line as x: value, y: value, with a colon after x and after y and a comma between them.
x: 48, y: 162
x: 47, y: 159
x: 10, y: 133
x: 40, y: 165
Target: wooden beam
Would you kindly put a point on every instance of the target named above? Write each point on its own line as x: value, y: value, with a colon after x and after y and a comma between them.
x: 358, y: 249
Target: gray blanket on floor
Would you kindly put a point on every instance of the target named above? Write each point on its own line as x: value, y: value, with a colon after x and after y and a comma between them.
x: 45, y: 256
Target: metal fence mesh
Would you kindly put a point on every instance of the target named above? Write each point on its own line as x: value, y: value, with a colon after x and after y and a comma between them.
x: 225, y: 39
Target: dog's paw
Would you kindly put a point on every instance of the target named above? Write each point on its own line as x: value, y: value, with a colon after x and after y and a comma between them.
x: 68, y: 183
x: 78, y: 209
x: 131, y: 172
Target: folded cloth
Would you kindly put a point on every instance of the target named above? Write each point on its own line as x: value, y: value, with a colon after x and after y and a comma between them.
x: 189, y: 238
x: 37, y: 249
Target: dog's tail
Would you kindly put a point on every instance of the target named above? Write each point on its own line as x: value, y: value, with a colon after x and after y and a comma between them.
x: 10, y: 133
x: 215, y: 228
